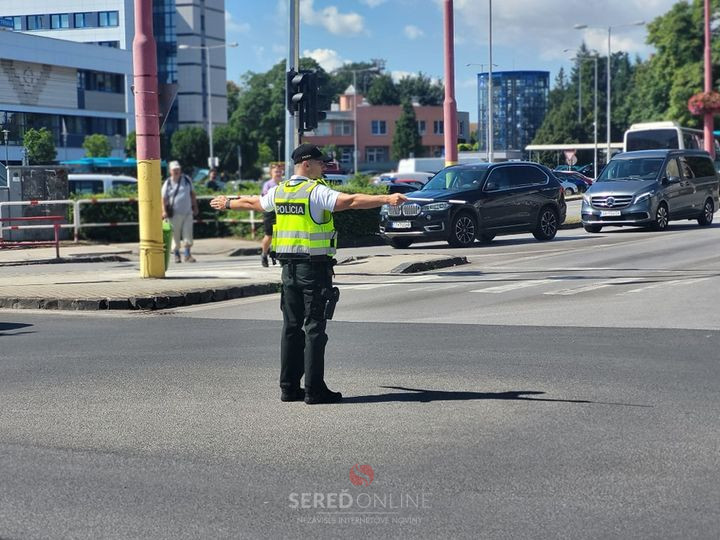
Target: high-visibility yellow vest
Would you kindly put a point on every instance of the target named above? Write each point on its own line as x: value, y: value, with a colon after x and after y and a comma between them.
x: 296, y: 235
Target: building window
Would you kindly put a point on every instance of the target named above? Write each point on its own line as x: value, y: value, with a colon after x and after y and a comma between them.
x: 82, y: 20
x: 60, y: 21
x: 421, y: 127
x: 342, y: 128
x: 111, y: 44
x: 34, y: 22
x: 17, y: 23
x: 438, y: 127
x: 346, y: 154
x: 378, y: 127
x: 461, y: 128
x: 376, y: 154
x: 323, y: 129
x: 108, y: 18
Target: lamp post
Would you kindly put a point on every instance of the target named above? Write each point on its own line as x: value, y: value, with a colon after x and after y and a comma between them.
x: 609, y: 55
x: 207, y: 49
x: 595, y: 105
x: 490, y: 85
x: 482, y: 69
x: 374, y: 69
x: 6, y: 136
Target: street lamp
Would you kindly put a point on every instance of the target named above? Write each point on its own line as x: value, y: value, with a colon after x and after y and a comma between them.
x: 609, y: 54
x: 207, y: 49
x: 489, y: 98
x: 374, y: 69
x: 595, y: 111
x: 6, y: 136
x: 490, y: 85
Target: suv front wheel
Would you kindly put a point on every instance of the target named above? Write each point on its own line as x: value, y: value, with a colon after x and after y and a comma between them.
x: 547, y: 224
x: 462, y: 230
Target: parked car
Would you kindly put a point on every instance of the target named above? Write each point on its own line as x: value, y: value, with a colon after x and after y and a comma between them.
x: 336, y: 179
x: 404, y: 187
x: 422, y: 177
x: 651, y: 188
x: 463, y: 203
x: 580, y: 180
x: 92, y: 184
x: 569, y: 188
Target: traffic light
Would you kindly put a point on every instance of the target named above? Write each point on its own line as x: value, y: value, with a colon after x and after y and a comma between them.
x: 302, y: 98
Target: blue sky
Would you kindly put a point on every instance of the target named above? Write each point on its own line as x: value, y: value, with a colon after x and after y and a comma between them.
x: 408, y: 34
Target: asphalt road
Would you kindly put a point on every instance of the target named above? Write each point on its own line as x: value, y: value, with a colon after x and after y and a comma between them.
x: 563, y: 389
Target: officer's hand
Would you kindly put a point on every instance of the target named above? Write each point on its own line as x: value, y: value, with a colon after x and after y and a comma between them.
x: 218, y: 203
x: 396, y: 199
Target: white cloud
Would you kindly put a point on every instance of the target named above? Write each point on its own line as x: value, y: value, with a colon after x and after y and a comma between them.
x: 328, y: 59
x: 331, y: 19
x: 550, y: 30
x: 413, y: 32
x: 399, y: 74
x: 231, y: 25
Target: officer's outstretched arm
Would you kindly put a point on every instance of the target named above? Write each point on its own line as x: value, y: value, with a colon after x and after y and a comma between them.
x: 360, y: 201
x: 251, y: 202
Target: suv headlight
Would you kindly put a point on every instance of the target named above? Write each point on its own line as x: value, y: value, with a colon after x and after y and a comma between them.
x: 436, y: 207
x: 643, y: 196
x: 586, y: 198
x: 384, y: 208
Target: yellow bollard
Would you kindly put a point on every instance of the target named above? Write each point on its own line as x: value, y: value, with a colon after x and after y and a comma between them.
x: 152, y: 249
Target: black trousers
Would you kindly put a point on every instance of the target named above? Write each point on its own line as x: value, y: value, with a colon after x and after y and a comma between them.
x: 302, y: 349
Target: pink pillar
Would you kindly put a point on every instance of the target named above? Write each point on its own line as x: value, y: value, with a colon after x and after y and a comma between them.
x: 449, y: 105
x: 146, y: 85
x: 709, y: 124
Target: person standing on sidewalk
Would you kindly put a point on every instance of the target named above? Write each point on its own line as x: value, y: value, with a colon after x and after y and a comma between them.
x: 180, y: 207
x: 276, y: 175
x: 304, y: 241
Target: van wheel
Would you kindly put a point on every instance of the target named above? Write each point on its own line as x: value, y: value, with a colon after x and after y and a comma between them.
x: 593, y: 228
x: 547, y: 224
x: 400, y: 243
x: 662, y: 218
x: 463, y: 230
x: 486, y: 238
x: 706, y: 217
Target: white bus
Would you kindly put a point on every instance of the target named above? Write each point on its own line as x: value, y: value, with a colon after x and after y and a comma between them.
x: 655, y: 135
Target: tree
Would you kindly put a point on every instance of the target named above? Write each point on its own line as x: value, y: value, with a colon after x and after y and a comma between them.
x: 97, y: 145
x: 406, y: 140
x: 40, y: 146
x: 383, y: 92
x: 131, y: 145
x: 233, y: 94
x: 421, y: 88
x: 190, y: 147
x: 227, y: 142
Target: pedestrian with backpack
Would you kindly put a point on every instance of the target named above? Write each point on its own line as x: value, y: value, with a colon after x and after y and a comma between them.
x: 180, y: 207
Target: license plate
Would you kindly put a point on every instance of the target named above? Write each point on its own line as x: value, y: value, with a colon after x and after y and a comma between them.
x: 401, y: 224
x: 610, y: 213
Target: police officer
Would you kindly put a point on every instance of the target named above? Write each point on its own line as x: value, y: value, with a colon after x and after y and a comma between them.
x: 304, y: 241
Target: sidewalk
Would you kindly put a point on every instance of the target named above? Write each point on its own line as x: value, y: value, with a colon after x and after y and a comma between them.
x: 109, y: 277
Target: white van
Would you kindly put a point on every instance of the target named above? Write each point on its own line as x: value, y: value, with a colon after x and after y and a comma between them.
x: 92, y: 184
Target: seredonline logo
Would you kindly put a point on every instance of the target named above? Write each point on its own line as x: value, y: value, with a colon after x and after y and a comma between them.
x: 297, y: 209
x: 361, y: 475
x: 346, y: 507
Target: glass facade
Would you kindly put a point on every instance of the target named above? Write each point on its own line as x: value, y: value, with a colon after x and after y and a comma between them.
x: 77, y: 127
x: 520, y: 102
x: 166, y: 38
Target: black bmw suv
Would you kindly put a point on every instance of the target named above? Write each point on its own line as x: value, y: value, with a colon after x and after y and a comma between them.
x: 463, y: 203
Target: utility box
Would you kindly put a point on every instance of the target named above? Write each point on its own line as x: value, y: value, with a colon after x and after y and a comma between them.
x: 35, y: 183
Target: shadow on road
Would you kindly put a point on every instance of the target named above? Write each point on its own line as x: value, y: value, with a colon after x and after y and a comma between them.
x: 425, y: 396
x: 5, y: 327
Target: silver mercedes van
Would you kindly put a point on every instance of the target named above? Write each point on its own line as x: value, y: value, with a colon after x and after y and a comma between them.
x: 649, y: 188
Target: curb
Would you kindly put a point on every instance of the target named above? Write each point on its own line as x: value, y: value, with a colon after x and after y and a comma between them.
x: 245, y: 252
x: 576, y: 225
x: 412, y: 267
x: 150, y: 302
x: 63, y: 260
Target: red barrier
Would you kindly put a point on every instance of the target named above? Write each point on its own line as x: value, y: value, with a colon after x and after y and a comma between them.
x: 56, y: 228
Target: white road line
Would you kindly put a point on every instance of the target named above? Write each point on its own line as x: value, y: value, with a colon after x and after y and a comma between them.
x: 514, y: 286
x: 394, y: 281
x: 673, y: 282
x: 589, y: 287
x: 429, y: 288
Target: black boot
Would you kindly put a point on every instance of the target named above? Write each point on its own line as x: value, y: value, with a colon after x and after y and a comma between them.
x: 324, y: 395
x: 292, y: 394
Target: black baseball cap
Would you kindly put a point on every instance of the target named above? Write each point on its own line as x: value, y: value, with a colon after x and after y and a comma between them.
x: 308, y: 151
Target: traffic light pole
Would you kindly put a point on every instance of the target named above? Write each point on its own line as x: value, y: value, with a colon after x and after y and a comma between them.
x: 292, y: 139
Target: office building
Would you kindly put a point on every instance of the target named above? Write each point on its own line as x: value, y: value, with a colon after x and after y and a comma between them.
x: 520, y: 102
x: 110, y: 23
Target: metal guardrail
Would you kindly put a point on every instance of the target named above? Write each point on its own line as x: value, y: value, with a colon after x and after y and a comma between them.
x: 56, y: 226
x: 77, y: 223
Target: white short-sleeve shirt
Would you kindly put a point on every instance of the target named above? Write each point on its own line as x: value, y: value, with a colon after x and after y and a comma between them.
x: 321, y: 198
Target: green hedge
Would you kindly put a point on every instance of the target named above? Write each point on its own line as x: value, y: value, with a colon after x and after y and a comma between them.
x: 355, y: 227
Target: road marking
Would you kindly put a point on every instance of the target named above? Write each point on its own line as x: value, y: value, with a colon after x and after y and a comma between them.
x: 395, y: 281
x: 676, y: 282
x: 429, y: 288
x: 589, y: 287
x: 514, y: 286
